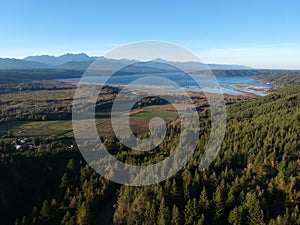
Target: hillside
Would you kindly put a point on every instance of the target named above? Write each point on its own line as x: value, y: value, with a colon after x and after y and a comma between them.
x: 20, y: 64
x: 280, y: 80
x: 254, y: 180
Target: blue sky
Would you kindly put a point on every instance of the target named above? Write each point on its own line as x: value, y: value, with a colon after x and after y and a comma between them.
x: 263, y: 34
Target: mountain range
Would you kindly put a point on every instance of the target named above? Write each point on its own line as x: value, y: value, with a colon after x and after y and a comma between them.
x: 82, y: 61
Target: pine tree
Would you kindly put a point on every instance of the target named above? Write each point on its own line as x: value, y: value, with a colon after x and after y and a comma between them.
x: 64, y: 181
x: 254, y: 212
x: 17, y: 222
x: 203, y: 201
x: 175, y: 216
x: 34, y: 220
x: 190, y: 211
x: 219, y: 207
x: 150, y: 213
x: 173, y: 191
x: 84, y: 215
x: 45, y: 210
x: 34, y: 212
x: 235, y: 216
x: 24, y: 220
x: 295, y: 217
x: 137, y: 210
x: 230, y: 200
x: 66, y: 218
x: 201, y: 220
x: 163, y: 213
x: 71, y: 165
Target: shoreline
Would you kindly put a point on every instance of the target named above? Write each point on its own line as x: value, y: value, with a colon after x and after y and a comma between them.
x: 240, y: 90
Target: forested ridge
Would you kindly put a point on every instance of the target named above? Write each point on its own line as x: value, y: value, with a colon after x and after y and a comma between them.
x: 52, y: 185
x: 281, y: 80
x: 255, y: 178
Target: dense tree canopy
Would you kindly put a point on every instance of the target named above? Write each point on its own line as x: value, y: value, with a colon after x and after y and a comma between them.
x: 255, y: 179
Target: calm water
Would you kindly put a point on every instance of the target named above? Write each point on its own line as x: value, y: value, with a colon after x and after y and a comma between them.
x: 228, y: 85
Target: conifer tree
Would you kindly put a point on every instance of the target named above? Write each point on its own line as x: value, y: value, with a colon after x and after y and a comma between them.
x: 84, y: 215
x: 254, y: 212
x: 175, y: 216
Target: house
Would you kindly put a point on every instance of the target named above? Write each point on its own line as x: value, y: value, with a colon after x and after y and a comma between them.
x: 19, y: 147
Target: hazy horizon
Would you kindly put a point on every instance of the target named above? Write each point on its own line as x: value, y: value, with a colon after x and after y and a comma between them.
x: 205, y: 62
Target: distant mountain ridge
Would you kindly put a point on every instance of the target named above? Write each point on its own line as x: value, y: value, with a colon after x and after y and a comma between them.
x: 60, y: 60
x: 82, y: 61
x: 20, y: 64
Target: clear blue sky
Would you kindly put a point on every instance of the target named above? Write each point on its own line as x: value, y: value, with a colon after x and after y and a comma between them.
x: 259, y: 33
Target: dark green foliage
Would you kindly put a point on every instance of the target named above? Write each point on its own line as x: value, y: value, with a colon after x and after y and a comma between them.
x: 254, y: 180
x: 253, y: 210
x: 280, y: 80
x: 175, y: 217
x: 51, y: 187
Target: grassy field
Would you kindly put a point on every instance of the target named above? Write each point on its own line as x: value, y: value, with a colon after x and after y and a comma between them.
x: 44, y: 109
x: 62, y: 128
x: 139, y: 121
x: 148, y: 115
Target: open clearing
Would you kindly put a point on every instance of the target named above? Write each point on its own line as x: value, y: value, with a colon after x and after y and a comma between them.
x: 38, y: 128
x: 139, y: 121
